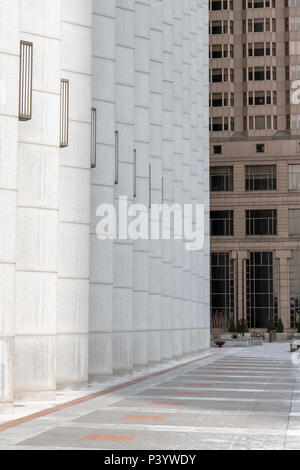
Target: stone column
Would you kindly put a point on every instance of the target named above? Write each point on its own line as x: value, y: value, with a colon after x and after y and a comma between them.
x: 167, y: 172
x: 123, y: 249
x: 155, y: 261
x: 200, y: 65
x: 37, y: 212
x: 177, y: 180
x: 102, y: 253
x: 141, y: 144
x: 74, y: 200
x: 9, y: 93
x: 283, y: 257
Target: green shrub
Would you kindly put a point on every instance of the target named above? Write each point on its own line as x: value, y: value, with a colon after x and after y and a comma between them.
x: 271, y: 326
x: 243, y: 326
x: 279, y: 328
x: 232, y: 328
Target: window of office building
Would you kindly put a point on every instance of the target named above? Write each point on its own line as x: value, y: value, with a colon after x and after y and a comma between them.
x: 217, y: 149
x: 216, y: 27
x: 294, y: 48
x: 259, y: 98
x: 259, y: 123
x: 261, y: 222
x: 259, y: 49
x: 295, y: 289
x: 294, y: 177
x: 221, y: 178
x: 217, y: 51
x: 221, y: 99
x: 295, y: 72
x: 222, y: 284
x: 217, y: 124
x: 259, y: 25
x: 294, y: 221
x: 221, y: 223
x: 259, y: 73
x: 221, y: 124
x: 295, y: 23
x: 217, y: 75
x: 259, y: 4
x: 295, y: 121
x: 221, y: 5
x: 262, y: 289
x: 260, y: 178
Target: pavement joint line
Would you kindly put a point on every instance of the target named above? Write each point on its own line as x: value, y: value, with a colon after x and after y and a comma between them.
x: 254, y: 376
x: 214, y: 389
x: 184, y: 397
x: 183, y: 429
x: 77, y: 401
x: 201, y: 412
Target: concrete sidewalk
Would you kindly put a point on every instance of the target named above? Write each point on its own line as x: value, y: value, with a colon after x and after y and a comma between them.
x: 238, y: 399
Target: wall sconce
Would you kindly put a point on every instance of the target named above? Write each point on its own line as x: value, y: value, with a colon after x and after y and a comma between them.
x: 25, y: 85
x: 93, y: 138
x: 150, y: 184
x: 134, y: 173
x: 116, y: 157
x: 64, y: 112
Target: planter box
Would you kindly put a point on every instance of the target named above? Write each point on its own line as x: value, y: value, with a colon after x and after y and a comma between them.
x: 238, y: 343
x: 279, y: 337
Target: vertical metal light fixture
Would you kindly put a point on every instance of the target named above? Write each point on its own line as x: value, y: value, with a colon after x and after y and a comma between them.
x: 25, y: 84
x: 134, y: 173
x: 116, y: 157
x: 93, y: 139
x: 64, y: 112
x: 150, y: 184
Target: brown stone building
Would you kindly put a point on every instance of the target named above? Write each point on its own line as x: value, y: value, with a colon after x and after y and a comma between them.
x: 255, y: 160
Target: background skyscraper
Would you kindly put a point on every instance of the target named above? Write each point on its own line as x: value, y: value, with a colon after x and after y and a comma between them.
x: 255, y: 160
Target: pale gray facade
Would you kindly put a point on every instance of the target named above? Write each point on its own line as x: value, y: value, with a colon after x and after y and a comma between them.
x: 72, y: 307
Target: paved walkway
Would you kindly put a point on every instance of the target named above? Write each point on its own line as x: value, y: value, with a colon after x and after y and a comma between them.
x: 238, y: 399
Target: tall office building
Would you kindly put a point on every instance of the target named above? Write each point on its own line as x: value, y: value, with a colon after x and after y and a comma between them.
x: 98, y: 99
x: 255, y: 160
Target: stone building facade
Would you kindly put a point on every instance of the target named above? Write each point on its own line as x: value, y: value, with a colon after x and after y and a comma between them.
x: 88, y: 88
x: 255, y: 161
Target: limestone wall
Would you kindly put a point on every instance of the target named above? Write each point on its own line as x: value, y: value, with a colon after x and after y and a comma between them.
x: 72, y: 307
